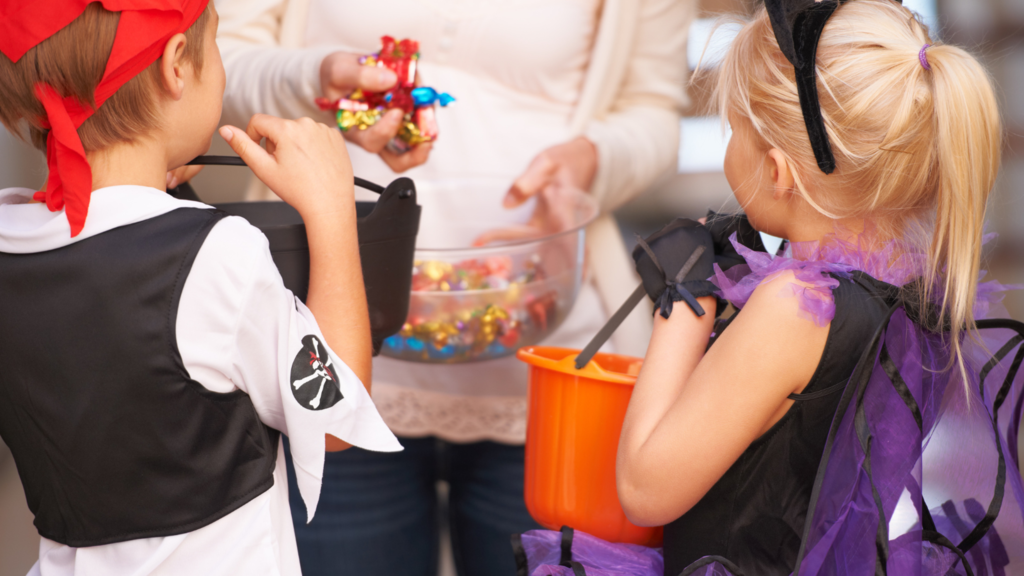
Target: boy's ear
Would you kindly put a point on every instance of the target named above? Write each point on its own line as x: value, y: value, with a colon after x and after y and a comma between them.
x: 781, y: 174
x: 172, y: 66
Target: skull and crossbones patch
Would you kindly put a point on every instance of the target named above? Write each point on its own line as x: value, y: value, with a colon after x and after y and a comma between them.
x: 314, y: 382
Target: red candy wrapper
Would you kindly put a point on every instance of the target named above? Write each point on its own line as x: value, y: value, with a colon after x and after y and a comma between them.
x: 362, y: 108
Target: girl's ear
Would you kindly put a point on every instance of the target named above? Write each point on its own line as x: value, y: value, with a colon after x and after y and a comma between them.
x: 781, y: 174
x: 172, y: 67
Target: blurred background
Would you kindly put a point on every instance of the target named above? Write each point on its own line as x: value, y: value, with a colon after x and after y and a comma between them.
x: 992, y: 29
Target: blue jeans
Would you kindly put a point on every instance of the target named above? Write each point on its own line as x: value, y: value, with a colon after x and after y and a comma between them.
x: 379, y: 513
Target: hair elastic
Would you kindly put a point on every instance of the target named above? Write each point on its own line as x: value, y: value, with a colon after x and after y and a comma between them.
x: 923, y: 57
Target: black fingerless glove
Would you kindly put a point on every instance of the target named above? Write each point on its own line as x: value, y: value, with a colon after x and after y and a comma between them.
x: 722, y: 226
x: 660, y: 258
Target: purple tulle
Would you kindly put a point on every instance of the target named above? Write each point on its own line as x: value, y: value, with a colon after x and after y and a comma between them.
x: 990, y: 298
x: 953, y: 455
x: 812, y: 263
x: 543, y: 553
x: 599, y: 558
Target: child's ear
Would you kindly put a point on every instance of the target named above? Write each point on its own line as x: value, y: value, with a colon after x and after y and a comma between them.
x: 781, y: 174
x: 172, y: 67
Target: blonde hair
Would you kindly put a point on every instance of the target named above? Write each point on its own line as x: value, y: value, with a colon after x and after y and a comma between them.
x: 917, y: 151
x: 72, y: 61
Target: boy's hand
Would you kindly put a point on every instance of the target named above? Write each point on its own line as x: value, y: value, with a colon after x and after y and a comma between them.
x: 307, y: 165
x: 181, y: 175
x: 305, y: 162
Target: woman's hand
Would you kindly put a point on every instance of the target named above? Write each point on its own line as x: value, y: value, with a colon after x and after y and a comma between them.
x: 572, y: 164
x: 340, y: 74
x: 555, y: 212
x: 552, y: 177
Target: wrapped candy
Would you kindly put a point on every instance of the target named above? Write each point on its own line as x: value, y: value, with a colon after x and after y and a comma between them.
x: 490, y: 304
x: 494, y: 273
x: 362, y: 108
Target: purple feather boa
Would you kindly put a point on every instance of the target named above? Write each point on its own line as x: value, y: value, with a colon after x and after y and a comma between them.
x: 813, y: 263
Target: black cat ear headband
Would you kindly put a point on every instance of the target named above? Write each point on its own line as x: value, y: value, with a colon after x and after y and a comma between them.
x: 798, y: 25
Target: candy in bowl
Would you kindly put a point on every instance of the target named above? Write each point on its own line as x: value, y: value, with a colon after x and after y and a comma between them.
x: 479, y: 303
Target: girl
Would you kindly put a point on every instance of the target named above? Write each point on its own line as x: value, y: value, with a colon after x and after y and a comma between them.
x: 882, y: 198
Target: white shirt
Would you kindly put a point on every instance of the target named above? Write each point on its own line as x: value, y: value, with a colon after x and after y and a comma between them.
x: 238, y: 328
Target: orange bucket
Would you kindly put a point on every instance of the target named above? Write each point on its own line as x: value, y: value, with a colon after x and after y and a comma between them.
x: 572, y: 435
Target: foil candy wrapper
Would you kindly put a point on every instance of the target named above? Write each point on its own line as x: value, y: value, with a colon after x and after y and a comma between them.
x: 362, y: 108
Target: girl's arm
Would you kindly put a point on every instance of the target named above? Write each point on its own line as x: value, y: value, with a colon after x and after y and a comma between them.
x: 693, y: 414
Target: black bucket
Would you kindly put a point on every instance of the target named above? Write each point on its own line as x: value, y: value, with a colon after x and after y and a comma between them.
x: 387, y: 241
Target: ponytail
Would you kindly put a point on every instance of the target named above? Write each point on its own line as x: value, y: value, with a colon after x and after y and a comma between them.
x: 915, y: 130
x: 968, y: 137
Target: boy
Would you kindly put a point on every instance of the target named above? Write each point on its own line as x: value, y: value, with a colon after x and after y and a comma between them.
x: 149, y: 351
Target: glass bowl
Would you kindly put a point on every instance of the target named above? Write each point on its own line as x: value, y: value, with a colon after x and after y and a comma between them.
x: 480, y: 303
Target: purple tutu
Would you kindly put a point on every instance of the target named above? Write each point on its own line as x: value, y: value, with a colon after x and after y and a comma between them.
x: 574, y: 553
x: 569, y: 553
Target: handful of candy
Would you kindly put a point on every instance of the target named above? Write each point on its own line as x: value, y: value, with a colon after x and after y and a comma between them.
x: 362, y: 108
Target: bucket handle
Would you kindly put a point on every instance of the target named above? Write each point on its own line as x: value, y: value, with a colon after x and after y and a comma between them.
x: 567, y: 365
x: 236, y: 161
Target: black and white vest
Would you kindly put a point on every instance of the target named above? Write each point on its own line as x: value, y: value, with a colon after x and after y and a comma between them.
x: 112, y: 439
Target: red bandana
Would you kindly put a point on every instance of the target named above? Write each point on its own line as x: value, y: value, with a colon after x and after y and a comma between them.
x: 143, y: 31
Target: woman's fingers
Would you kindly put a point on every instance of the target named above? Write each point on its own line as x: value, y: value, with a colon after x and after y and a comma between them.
x: 411, y: 159
x: 419, y: 155
x: 510, y: 234
x: 572, y: 163
x: 376, y: 137
x: 539, y: 174
x: 560, y: 204
x: 341, y: 73
x: 375, y: 78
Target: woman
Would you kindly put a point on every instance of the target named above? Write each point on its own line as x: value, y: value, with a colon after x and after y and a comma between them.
x: 553, y: 93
